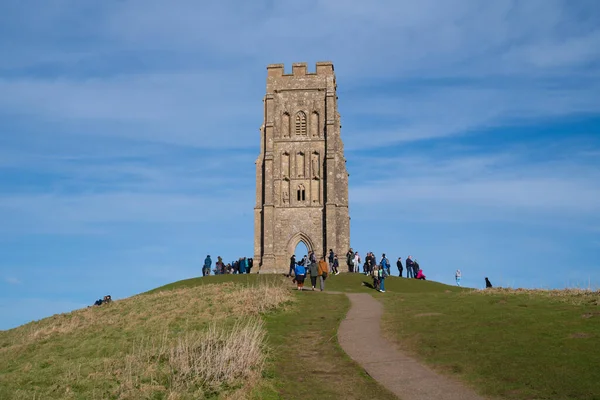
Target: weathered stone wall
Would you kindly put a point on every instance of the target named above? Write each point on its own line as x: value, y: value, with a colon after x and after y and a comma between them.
x: 301, y: 176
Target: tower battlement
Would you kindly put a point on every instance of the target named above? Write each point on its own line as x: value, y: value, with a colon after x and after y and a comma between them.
x: 323, y: 68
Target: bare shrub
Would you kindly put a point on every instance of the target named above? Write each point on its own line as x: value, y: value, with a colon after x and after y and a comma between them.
x: 218, y: 356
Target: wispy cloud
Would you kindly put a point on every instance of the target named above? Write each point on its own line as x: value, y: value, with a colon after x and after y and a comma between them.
x: 129, y: 132
x: 12, y: 280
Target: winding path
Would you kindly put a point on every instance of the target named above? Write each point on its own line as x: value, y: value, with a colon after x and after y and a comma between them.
x: 360, y: 337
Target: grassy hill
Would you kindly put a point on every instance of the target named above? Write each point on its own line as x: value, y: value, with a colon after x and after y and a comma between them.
x: 254, y: 337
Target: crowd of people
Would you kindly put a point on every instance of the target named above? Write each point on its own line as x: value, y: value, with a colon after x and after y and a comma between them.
x: 353, y: 261
x: 319, y: 270
x: 242, y: 265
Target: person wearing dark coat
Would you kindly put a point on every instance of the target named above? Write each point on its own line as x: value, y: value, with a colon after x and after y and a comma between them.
x: 330, y: 259
x: 410, y: 272
x: 292, y: 266
x: 488, y: 284
x: 313, y: 269
x: 400, y: 267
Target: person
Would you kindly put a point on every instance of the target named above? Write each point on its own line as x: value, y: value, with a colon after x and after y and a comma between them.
x: 292, y: 266
x: 409, y: 267
x: 207, y: 264
x: 385, y: 263
x: 299, y: 275
x: 420, y: 275
x: 219, y: 266
x: 242, y: 265
x: 382, y: 275
x: 488, y: 284
x: 312, y: 257
x: 313, y: 269
x: 400, y: 267
x: 350, y: 259
x: 330, y: 259
x: 250, y: 264
x: 416, y: 267
x: 458, y: 275
x: 322, y: 272
x: 336, y: 265
x: 356, y: 262
x: 375, y: 275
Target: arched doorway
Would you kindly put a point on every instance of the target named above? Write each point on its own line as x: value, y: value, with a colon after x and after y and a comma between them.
x: 300, y: 245
x: 301, y: 250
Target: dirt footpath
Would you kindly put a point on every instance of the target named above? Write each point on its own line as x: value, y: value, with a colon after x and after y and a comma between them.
x: 360, y: 337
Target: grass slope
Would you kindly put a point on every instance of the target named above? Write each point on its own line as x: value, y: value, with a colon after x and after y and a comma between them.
x: 508, y: 344
x: 199, y: 342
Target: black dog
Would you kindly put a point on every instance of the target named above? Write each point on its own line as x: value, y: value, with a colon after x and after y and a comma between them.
x: 488, y: 284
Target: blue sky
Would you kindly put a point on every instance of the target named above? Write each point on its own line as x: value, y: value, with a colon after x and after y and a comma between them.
x: 129, y: 131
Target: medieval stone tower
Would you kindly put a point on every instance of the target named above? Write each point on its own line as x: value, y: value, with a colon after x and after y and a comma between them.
x: 301, y: 176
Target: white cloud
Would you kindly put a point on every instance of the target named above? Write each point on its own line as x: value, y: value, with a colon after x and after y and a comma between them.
x: 206, y: 65
x: 12, y: 280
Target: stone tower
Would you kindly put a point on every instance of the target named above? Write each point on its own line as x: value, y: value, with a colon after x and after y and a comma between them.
x: 301, y: 176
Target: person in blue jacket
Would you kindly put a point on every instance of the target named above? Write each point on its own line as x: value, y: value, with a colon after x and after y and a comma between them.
x: 207, y: 264
x: 243, y: 265
x: 300, y: 275
x: 385, y: 264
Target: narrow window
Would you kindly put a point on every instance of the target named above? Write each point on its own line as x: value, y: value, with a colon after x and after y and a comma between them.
x: 301, y: 193
x: 300, y: 123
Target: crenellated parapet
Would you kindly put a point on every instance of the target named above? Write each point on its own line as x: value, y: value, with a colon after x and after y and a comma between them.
x: 323, y: 68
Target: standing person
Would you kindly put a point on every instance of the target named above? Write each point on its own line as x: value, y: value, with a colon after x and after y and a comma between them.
x: 313, y: 268
x: 416, y: 267
x: 322, y: 272
x: 312, y: 258
x: 250, y: 264
x: 242, y: 265
x: 356, y: 262
x: 299, y: 275
x: 330, y: 259
x: 488, y: 284
x: 382, y: 275
x: 207, y: 264
x: 400, y: 267
x: 410, y: 272
x: 375, y: 275
x: 350, y: 259
x: 219, y: 266
x: 292, y: 266
x: 385, y: 263
x: 458, y: 275
x: 336, y: 265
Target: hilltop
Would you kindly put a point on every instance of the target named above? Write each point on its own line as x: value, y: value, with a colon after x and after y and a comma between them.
x: 252, y: 336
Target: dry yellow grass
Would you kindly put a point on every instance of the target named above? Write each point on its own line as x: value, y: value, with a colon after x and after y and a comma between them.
x: 571, y: 296
x: 180, y: 344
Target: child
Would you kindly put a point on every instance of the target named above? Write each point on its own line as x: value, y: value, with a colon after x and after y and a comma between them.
x: 420, y: 275
x: 375, y: 278
x: 382, y: 275
x: 458, y: 275
x: 300, y: 274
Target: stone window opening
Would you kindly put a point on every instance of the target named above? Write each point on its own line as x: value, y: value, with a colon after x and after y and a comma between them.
x: 301, y: 193
x: 300, y: 123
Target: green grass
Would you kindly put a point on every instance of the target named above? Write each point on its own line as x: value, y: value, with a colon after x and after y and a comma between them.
x: 305, y: 359
x: 344, y: 282
x: 508, y: 345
